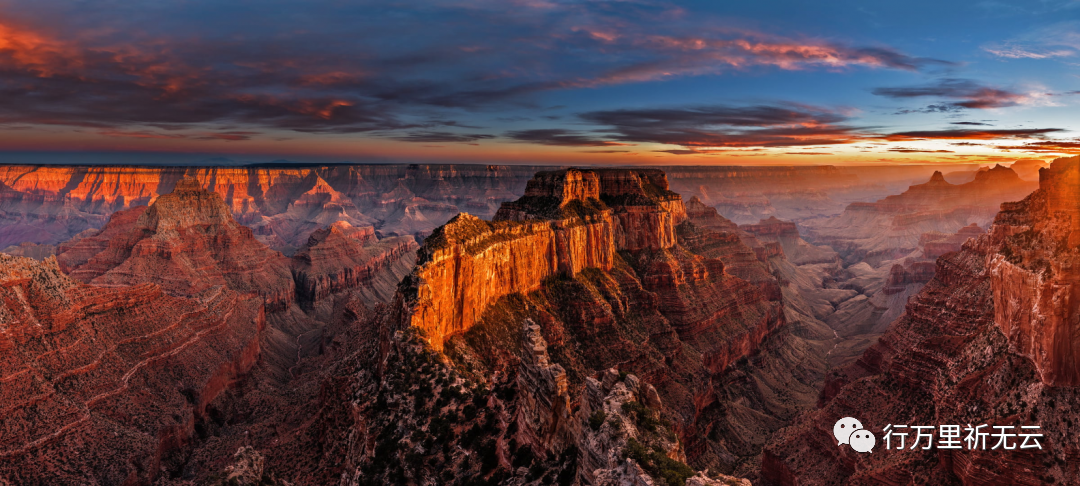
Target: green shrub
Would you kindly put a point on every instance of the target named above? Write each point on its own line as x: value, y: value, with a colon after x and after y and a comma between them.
x: 658, y: 465
x: 597, y: 419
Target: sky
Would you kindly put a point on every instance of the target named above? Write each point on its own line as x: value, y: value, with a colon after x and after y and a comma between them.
x: 541, y: 81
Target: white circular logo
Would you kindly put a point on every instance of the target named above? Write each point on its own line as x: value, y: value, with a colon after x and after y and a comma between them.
x: 843, y: 429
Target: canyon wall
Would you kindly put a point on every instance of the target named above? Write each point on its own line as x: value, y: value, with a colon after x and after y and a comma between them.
x: 335, y: 260
x: 989, y: 340
x: 567, y: 221
x: 186, y: 241
x: 891, y: 227
x: 669, y: 301
x: 1035, y: 277
x: 99, y: 383
x: 282, y: 203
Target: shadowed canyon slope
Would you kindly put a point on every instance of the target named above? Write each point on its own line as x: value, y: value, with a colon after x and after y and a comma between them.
x: 989, y: 340
x: 99, y: 383
x: 180, y: 310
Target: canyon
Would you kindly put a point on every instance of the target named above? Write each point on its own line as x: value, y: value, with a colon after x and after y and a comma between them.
x: 986, y: 341
x: 282, y: 204
x: 365, y: 324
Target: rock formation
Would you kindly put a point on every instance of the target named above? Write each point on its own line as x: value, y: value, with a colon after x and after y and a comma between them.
x: 186, y: 242
x: 985, y: 342
x: 100, y: 384
x: 1028, y: 169
x: 596, y: 330
x: 341, y: 257
x: 561, y: 226
x: 283, y: 204
x: 891, y: 227
x: 653, y: 295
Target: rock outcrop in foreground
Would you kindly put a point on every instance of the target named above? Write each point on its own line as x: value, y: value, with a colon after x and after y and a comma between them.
x: 98, y: 384
x: 590, y: 334
x: 566, y: 222
x: 990, y: 340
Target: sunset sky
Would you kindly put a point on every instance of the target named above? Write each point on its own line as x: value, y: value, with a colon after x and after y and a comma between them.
x: 537, y: 81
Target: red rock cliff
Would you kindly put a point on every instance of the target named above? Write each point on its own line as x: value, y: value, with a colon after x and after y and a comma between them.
x: 187, y: 242
x: 333, y: 260
x: 1035, y: 275
x: 989, y: 340
x: 567, y: 221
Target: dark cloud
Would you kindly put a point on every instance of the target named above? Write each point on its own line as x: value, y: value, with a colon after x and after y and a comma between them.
x: 971, y: 123
x: 679, y: 152
x: 441, y: 136
x: 356, y: 68
x: 559, y: 137
x: 960, y: 134
x: 919, y: 151
x: 935, y: 108
x: 720, y: 126
x: 970, y: 95
x: 1046, y: 146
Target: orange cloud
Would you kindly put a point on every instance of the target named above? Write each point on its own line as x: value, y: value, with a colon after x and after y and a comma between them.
x: 29, y: 51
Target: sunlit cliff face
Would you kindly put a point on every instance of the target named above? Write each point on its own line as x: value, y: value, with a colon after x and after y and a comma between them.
x: 596, y: 83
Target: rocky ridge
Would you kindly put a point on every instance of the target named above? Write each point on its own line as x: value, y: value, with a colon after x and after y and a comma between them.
x: 99, y: 384
x: 187, y: 242
x: 666, y: 310
x: 180, y: 301
x: 282, y: 204
x: 978, y: 344
x: 891, y: 227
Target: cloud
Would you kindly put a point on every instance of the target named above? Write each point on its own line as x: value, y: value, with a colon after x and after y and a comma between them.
x: 725, y: 128
x: 559, y: 137
x: 680, y: 152
x: 227, y: 136
x: 673, y: 56
x: 1046, y: 146
x: 441, y: 136
x: 346, y: 69
x: 971, y: 123
x: 1016, y: 52
x: 808, y: 153
x: 713, y: 127
x: 971, y: 95
x: 1058, y: 40
x: 973, y: 134
x: 919, y: 151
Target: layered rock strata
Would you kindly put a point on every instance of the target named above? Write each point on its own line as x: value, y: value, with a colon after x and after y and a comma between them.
x: 99, y: 384
x: 985, y: 342
x: 186, y: 242
x: 671, y: 312
x: 567, y: 221
x: 335, y: 260
x: 282, y: 203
